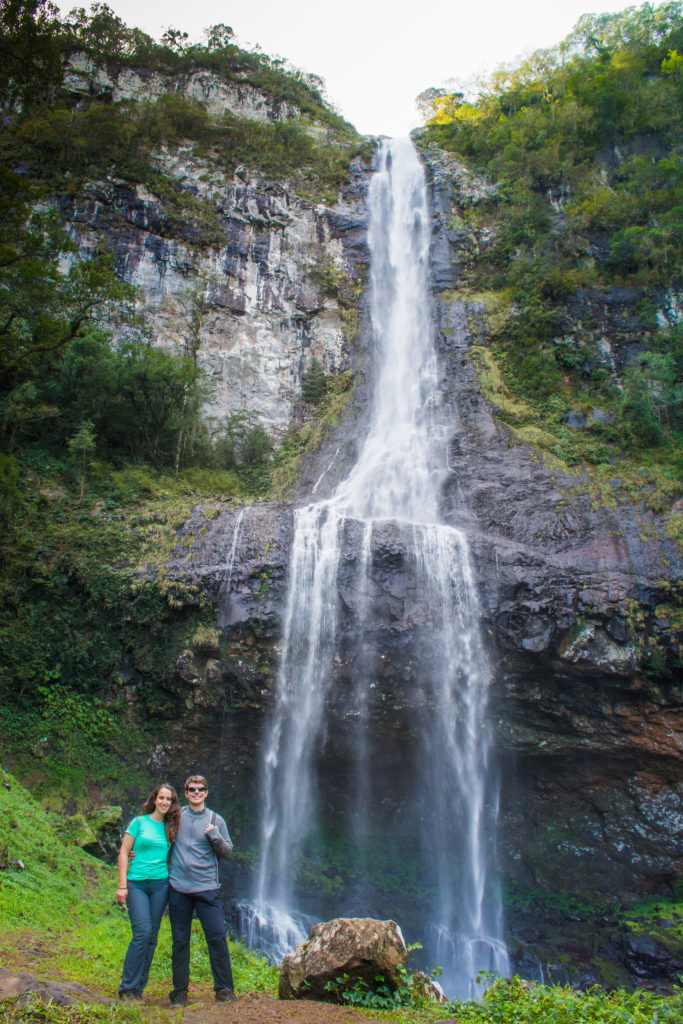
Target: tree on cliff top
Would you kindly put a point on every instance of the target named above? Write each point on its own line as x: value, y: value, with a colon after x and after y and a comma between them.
x: 43, y: 303
x: 30, y: 60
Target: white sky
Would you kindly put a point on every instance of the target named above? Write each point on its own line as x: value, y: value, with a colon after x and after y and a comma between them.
x: 375, y: 56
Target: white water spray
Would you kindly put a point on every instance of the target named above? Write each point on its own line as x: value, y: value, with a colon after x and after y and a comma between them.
x: 226, y: 588
x: 451, y: 796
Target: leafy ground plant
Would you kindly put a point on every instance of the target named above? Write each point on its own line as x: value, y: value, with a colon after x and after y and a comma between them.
x: 514, y: 1001
x: 35, y: 1011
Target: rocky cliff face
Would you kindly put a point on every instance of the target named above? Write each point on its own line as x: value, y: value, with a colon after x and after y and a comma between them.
x: 239, y: 276
x: 576, y: 605
x: 575, y: 587
x: 85, y: 78
x: 587, y: 692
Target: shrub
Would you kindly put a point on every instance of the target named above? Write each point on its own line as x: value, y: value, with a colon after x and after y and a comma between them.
x: 314, y: 383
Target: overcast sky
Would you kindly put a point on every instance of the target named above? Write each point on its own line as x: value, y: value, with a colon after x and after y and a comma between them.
x: 375, y: 56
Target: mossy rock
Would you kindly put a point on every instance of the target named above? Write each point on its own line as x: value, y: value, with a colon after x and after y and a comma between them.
x: 98, y: 832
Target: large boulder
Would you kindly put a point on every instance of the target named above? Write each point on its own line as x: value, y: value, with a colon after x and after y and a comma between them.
x: 359, y: 949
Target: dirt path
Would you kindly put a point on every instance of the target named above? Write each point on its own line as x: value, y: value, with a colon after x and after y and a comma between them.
x: 29, y: 956
x: 256, y: 1008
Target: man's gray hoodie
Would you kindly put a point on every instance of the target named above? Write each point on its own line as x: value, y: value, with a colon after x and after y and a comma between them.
x: 195, y: 855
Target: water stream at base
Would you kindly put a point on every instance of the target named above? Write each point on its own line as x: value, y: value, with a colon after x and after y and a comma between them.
x: 448, y: 799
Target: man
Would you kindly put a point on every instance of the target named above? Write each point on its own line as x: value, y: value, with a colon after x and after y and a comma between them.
x: 202, y: 841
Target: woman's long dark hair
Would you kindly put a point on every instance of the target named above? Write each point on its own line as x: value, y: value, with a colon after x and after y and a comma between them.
x: 172, y: 817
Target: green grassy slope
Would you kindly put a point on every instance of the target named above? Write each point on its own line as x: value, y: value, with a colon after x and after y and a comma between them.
x: 58, y: 902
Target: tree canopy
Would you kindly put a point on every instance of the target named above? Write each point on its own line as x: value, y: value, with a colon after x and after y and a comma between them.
x: 30, y: 58
x: 584, y: 142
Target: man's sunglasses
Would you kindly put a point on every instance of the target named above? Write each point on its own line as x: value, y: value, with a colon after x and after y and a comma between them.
x: 196, y: 789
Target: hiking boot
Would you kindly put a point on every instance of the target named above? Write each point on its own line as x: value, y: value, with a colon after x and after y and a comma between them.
x: 178, y: 997
x: 130, y: 995
x: 225, y: 995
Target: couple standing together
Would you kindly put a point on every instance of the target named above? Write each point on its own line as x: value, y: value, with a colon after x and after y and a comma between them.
x: 170, y: 855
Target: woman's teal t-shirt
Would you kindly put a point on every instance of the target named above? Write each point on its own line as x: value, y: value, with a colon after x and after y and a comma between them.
x: 150, y: 847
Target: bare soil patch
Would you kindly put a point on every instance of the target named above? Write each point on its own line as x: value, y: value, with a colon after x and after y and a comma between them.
x: 28, y: 951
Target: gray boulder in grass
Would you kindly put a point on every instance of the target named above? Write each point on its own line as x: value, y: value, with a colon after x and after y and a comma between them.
x: 359, y: 947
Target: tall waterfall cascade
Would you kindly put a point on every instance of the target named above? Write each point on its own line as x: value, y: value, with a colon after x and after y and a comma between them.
x: 443, y: 796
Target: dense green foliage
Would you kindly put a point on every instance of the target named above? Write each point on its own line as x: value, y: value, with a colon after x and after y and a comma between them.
x: 61, y: 138
x: 62, y: 146
x: 584, y: 143
x: 30, y: 58
x: 75, y: 609
x: 43, y: 305
x: 314, y: 383
x: 513, y: 1000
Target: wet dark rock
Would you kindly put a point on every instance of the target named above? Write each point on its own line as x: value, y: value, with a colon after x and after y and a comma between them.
x: 649, y: 961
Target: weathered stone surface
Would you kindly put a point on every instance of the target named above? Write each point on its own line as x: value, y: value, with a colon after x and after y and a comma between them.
x: 362, y: 949
x: 105, y: 825
x: 219, y: 96
x: 261, y: 322
x: 425, y: 987
x: 97, y: 830
x: 245, y: 260
x: 20, y: 985
x: 649, y: 960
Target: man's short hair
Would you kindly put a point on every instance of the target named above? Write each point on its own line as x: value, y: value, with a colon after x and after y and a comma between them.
x: 197, y: 778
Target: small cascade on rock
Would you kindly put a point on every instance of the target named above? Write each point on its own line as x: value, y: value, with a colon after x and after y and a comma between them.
x: 224, y: 616
x: 328, y: 777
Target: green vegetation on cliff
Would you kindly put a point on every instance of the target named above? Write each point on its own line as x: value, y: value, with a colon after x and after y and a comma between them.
x: 67, y: 391
x: 103, y: 442
x: 580, y: 248
x: 74, y: 133
x: 90, y: 625
x: 106, y: 39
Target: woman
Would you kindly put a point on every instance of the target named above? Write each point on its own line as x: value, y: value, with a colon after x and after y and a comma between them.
x: 143, y: 882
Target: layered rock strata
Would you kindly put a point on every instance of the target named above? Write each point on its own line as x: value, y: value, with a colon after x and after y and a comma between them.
x: 235, y: 269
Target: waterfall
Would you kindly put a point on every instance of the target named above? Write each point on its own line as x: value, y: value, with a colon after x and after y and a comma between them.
x: 225, y: 592
x: 444, y: 797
